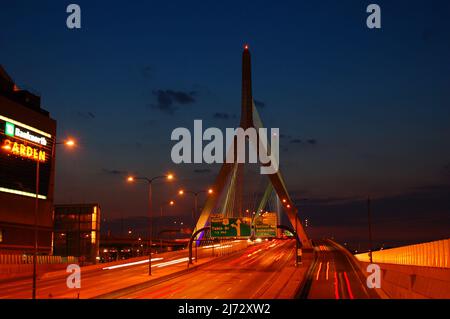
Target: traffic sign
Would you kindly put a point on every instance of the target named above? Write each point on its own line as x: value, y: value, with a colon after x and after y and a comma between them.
x: 266, y: 225
x: 230, y: 226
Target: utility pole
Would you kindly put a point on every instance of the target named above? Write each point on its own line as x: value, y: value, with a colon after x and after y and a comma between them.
x: 369, y: 219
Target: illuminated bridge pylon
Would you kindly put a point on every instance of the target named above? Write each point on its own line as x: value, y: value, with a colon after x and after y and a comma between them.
x: 229, y: 186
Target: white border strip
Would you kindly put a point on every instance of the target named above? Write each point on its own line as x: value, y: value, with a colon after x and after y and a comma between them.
x: 4, y: 118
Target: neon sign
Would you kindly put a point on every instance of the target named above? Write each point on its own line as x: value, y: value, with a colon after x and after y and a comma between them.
x: 12, y: 130
x: 25, y: 151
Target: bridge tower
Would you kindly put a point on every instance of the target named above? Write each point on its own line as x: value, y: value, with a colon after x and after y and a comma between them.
x: 250, y: 118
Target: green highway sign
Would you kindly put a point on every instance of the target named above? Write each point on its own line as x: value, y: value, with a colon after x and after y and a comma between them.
x: 230, y: 227
x: 266, y: 225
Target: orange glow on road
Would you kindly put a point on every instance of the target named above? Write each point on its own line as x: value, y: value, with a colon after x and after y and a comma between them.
x: 254, y: 253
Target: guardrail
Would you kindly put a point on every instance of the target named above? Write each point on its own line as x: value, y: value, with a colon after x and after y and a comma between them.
x: 28, y: 259
x: 432, y: 254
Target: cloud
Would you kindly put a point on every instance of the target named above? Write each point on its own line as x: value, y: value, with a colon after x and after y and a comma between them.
x: 169, y: 100
x: 310, y: 141
x: 86, y: 115
x: 259, y: 104
x: 113, y: 172
x: 223, y: 116
x: 202, y: 171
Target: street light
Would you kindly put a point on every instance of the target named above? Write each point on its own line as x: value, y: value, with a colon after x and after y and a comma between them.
x: 207, y: 191
x: 36, y: 210
x: 69, y: 142
x: 170, y: 203
x: 149, y: 181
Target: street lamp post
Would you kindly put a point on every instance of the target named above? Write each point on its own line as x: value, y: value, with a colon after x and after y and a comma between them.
x: 150, y: 226
x: 369, y: 220
x: 171, y: 203
x: 69, y: 143
x: 36, y: 208
x: 182, y: 192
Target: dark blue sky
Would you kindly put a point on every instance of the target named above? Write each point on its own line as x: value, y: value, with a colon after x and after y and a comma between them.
x: 376, y: 102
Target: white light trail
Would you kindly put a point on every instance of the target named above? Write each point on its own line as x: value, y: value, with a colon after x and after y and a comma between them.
x: 131, y: 264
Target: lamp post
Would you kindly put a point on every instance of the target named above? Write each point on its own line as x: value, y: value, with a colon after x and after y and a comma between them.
x: 68, y: 143
x: 369, y: 220
x: 170, y: 203
x: 150, y: 226
x: 182, y: 192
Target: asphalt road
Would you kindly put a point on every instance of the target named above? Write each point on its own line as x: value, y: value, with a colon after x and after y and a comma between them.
x: 241, y: 276
x: 96, y: 282
x: 334, y: 277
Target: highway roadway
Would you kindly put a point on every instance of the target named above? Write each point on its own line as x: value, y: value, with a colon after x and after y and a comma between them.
x: 98, y: 281
x: 239, y: 276
x: 333, y: 276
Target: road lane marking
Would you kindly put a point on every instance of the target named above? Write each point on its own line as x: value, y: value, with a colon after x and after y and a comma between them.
x: 158, y: 291
x: 349, y: 289
x: 318, y: 272
x: 328, y: 268
x: 170, y: 292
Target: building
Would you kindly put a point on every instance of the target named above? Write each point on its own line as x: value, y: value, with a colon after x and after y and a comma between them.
x: 77, y: 231
x: 27, y: 140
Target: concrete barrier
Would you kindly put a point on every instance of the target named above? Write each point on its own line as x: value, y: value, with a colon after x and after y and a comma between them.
x: 420, y: 271
x: 23, y: 271
x: 432, y: 254
x: 414, y: 282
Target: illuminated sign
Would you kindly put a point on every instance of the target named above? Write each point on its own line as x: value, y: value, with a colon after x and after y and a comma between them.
x: 9, y: 129
x: 12, y: 130
x: 230, y: 227
x: 266, y: 225
x: 21, y: 147
x: 23, y: 150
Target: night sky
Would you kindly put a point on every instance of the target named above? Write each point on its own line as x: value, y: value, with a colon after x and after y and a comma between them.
x: 361, y: 112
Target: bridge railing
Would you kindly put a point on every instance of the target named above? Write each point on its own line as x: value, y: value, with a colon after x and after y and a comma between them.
x: 432, y: 254
x: 6, y: 259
